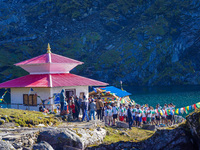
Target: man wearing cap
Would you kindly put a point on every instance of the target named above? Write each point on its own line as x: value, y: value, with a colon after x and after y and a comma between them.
x: 130, y: 119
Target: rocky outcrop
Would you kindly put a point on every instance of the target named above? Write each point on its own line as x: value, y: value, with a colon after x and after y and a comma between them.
x: 59, y: 138
x: 6, y: 146
x: 193, y: 123
x: 42, y: 146
x: 121, y: 124
x: 19, y: 137
x: 167, y: 139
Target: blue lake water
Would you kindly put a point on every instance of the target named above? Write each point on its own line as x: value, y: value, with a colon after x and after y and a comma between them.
x: 180, y: 96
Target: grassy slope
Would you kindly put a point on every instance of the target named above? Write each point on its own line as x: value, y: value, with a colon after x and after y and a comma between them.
x: 25, y: 118
x: 135, y: 135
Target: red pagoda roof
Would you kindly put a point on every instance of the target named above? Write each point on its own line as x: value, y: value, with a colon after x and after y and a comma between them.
x: 45, y: 59
x: 51, y: 80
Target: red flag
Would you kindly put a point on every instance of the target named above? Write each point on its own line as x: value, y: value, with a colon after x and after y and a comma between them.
x: 195, y: 107
x: 184, y: 109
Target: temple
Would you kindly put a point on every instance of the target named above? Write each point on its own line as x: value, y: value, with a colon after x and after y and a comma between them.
x: 48, y: 75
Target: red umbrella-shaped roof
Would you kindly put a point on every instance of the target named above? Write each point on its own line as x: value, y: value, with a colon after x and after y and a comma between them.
x: 51, y: 80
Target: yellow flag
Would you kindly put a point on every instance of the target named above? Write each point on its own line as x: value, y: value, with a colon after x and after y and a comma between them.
x: 176, y: 111
x: 187, y: 107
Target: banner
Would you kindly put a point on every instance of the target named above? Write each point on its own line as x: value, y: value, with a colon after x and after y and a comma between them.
x: 2, y: 97
x: 186, y: 108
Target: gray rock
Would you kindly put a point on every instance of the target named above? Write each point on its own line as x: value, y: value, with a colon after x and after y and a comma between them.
x: 57, y: 138
x: 121, y: 124
x: 2, y: 121
x: 124, y: 133
x: 6, y: 146
x: 149, y: 127
x: 43, y: 146
x: 17, y: 145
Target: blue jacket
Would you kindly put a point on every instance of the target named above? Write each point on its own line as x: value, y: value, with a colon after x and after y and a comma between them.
x: 129, y: 113
x: 62, y: 96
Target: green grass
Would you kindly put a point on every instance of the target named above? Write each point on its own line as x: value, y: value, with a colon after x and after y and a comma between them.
x: 25, y: 118
x: 136, y: 135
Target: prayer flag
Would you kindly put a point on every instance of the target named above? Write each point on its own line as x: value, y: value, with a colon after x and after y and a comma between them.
x: 182, y: 110
x: 179, y: 110
x: 185, y: 110
x: 188, y: 108
x: 198, y: 105
x: 195, y: 107
x: 30, y: 91
x: 95, y: 90
x: 168, y: 112
x: 176, y: 111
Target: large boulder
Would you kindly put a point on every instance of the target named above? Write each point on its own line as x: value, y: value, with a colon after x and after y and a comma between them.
x: 193, y: 123
x: 149, y: 127
x: 43, y: 146
x: 6, y: 146
x: 62, y: 138
x: 165, y: 139
x: 121, y: 124
x: 58, y: 138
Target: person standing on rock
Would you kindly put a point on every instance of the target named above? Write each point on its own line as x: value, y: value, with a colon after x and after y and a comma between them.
x: 130, y: 118
x: 85, y: 108
x: 62, y: 100
x: 99, y: 106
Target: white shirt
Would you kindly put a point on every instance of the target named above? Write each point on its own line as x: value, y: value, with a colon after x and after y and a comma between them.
x: 106, y: 112
x: 121, y: 111
x: 143, y: 113
x: 133, y: 111
x: 109, y: 112
x: 114, y: 109
x: 138, y: 112
x: 149, y: 113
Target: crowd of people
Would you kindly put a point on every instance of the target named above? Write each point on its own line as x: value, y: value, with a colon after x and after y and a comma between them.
x: 134, y: 114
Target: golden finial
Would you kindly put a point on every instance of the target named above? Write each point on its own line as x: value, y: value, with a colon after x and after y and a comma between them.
x: 48, y: 48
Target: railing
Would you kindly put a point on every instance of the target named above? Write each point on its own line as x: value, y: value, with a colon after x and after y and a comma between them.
x: 17, y: 106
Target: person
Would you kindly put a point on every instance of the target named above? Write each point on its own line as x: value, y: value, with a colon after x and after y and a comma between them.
x: 115, y: 111
x: 121, y: 113
x: 85, y: 108
x: 144, y: 118
x: 129, y: 115
x: 92, y: 106
x: 72, y: 106
x: 164, y: 116
x: 110, y: 115
x: 157, y: 115
x: 106, y: 114
x: 138, y: 115
x: 62, y: 100
x: 77, y: 108
x: 43, y: 109
x: 133, y: 113
x: 153, y: 114
x: 125, y: 114
x: 149, y: 114
x: 99, y: 105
